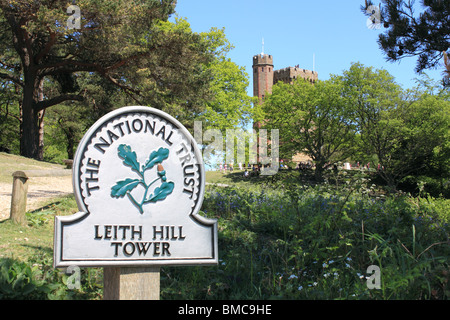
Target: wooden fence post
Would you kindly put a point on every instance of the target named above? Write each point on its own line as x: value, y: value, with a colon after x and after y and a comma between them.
x: 19, y: 198
x: 20, y: 190
x: 131, y: 283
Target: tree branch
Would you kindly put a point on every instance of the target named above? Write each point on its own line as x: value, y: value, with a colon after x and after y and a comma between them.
x: 70, y: 66
x: 41, y: 105
x: 12, y: 78
x: 125, y: 61
x: 48, y: 46
x: 9, y: 66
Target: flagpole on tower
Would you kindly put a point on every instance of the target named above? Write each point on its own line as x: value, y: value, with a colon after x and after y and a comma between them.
x: 314, y: 62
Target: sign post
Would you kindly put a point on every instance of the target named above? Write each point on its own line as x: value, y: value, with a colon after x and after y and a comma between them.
x: 139, y: 182
x: 141, y: 283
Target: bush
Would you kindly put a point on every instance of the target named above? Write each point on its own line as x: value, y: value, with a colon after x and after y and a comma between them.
x: 33, y: 280
x: 20, y: 280
x: 295, y: 242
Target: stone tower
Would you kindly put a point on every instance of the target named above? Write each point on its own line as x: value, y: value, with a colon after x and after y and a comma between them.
x: 262, y: 75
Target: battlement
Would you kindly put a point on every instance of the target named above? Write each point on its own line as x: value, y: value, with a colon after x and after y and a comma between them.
x: 264, y: 75
x: 263, y: 59
x: 289, y: 74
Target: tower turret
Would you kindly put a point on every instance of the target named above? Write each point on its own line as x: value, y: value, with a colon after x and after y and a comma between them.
x: 262, y: 75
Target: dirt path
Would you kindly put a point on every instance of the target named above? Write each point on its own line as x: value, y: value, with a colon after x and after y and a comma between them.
x: 39, y: 191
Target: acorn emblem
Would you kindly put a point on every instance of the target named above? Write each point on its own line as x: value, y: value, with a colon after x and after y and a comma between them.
x: 161, y: 172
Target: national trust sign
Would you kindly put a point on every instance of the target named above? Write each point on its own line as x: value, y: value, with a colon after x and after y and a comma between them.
x: 139, y: 181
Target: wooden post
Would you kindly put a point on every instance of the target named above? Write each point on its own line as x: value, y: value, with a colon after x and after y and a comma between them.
x: 20, y: 190
x: 19, y: 199
x: 131, y: 283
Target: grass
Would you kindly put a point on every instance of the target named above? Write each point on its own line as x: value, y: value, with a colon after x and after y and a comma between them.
x: 302, y: 242
x: 10, y: 163
x: 26, y: 258
x: 21, y: 242
x: 280, y: 237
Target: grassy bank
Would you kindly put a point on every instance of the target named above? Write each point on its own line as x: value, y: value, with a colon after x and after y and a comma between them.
x: 10, y: 163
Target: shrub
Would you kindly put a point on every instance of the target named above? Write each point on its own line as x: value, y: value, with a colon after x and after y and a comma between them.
x: 296, y: 242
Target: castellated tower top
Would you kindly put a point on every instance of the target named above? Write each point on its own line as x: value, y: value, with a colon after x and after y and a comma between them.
x: 265, y: 77
x: 289, y: 74
x: 263, y: 59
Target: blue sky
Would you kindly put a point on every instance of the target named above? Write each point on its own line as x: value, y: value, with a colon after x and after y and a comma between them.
x: 294, y: 31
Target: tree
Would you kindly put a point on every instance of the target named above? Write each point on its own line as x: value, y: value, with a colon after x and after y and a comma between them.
x: 312, y: 118
x: 230, y: 106
x: 425, y: 35
x: 9, y: 117
x: 406, y: 131
x: 122, y: 41
x: 425, y: 148
x: 67, y: 122
x: 372, y: 94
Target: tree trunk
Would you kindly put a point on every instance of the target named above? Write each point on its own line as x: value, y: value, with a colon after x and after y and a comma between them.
x: 29, y: 140
x: 70, y: 143
x: 318, y: 172
x: 41, y: 134
x: 41, y: 121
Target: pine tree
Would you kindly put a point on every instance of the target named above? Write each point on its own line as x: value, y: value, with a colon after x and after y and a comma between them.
x: 408, y: 33
x: 122, y: 41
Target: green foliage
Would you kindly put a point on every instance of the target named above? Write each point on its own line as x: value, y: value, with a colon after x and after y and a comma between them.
x: 66, y: 123
x: 231, y: 106
x: 133, y: 47
x: 312, y: 118
x: 26, y: 265
x: 286, y: 241
x: 9, y: 118
x: 37, y: 280
x: 19, y: 280
x: 280, y: 240
x: 412, y: 32
x: 407, y: 131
